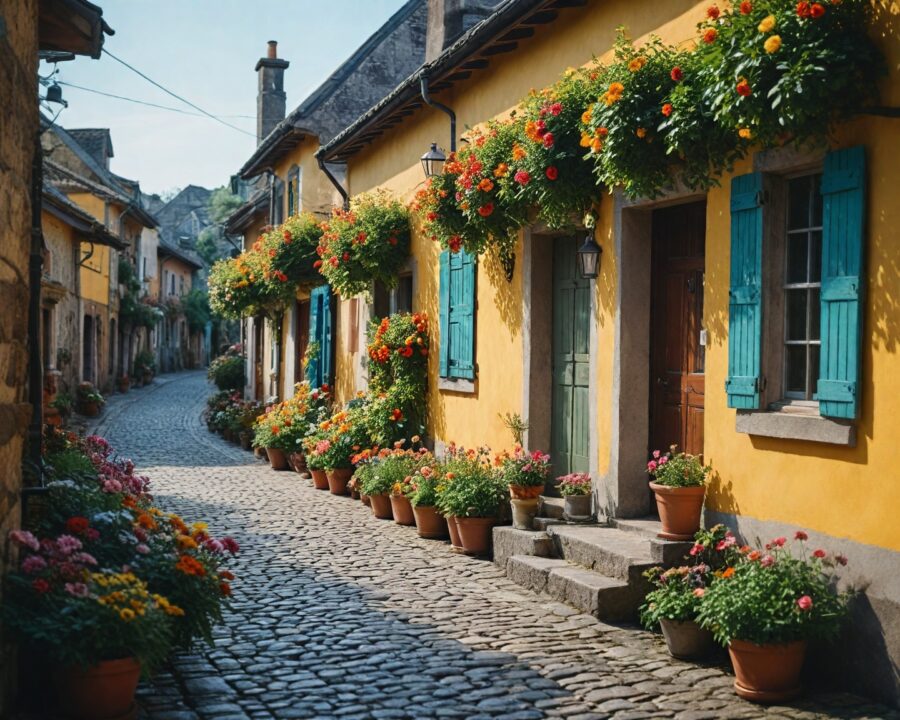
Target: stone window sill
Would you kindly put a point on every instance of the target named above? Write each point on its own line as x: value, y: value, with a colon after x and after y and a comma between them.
x: 457, y: 385
x: 791, y: 423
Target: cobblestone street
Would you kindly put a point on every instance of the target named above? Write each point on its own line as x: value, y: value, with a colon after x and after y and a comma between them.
x: 339, y: 615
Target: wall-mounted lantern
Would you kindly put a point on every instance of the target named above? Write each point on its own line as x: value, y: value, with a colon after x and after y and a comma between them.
x: 433, y: 161
x: 589, y: 257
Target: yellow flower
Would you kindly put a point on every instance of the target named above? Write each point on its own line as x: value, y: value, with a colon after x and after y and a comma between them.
x: 637, y: 63
x: 773, y: 44
x: 745, y: 133
x: 200, y: 526
x: 570, y: 71
x: 585, y: 140
x: 641, y: 132
x: 767, y: 24
x: 126, y: 614
x: 586, y: 116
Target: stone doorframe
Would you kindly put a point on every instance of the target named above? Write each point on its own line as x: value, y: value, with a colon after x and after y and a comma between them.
x: 536, y: 262
x: 622, y: 490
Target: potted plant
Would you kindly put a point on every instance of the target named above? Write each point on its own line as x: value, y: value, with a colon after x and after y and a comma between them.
x: 266, y: 435
x: 576, y: 489
x: 99, y: 629
x: 89, y: 400
x: 124, y: 383
x: 144, y: 366
x: 63, y: 404
x: 525, y: 474
x: 766, y: 607
x: 386, y: 479
x: 315, y: 461
x: 473, y: 494
x: 679, y: 484
x: 424, y: 498
x: 343, y: 436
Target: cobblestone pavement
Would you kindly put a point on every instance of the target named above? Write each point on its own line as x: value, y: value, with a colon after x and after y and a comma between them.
x: 339, y: 615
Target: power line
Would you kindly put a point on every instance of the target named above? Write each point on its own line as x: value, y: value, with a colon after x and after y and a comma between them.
x: 176, y: 96
x: 142, y: 102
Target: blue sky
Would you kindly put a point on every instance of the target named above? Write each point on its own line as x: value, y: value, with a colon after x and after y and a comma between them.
x: 205, y: 51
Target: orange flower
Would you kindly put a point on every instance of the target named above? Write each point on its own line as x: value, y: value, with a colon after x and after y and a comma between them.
x: 637, y: 63
x: 641, y: 132
x: 667, y: 109
x: 502, y: 170
x: 517, y: 152
x: 146, y: 522
x: 190, y: 566
x: 728, y: 572
x: 186, y: 542
x: 709, y: 35
x: 486, y: 185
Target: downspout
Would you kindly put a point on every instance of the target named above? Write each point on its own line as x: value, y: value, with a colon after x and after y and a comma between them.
x: 440, y: 106
x: 276, y: 330
x: 345, y: 196
x: 35, y: 269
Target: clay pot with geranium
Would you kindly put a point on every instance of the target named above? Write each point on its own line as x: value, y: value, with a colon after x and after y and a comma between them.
x: 674, y: 600
x: 525, y: 474
x: 266, y: 435
x: 386, y: 482
x: 315, y: 461
x: 430, y: 523
x: 576, y: 491
x: 766, y: 607
x: 88, y: 400
x: 472, y: 495
x: 679, y: 484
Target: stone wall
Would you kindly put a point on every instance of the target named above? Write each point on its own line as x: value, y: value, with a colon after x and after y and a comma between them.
x: 19, y: 120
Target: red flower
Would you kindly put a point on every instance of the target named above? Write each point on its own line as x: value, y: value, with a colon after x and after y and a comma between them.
x: 552, y: 173
x: 287, y: 236
x: 486, y: 209
x: 225, y: 589
x: 712, y: 12
x: 667, y: 109
x: 805, y: 602
x: 41, y: 586
x: 333, y: 261
x: 709, y: 36
x: 800, y: 535
x: 392, y: 240
x: 803, y: 9
x: 317, y: 264
x: 345, y: 257
x: 779, y: 541
x: 522, y: 177
x: 743, y: 88
x: 77, y: 525
x: 555, y: 109
x: 397, y: 415
x: 677, y: 75
x: 548, y: 140
x: 746, y: 7
x: 819, y: 554
x: 817, y: 10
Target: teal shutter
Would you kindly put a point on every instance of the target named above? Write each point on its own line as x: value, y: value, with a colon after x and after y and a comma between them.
x: 843, y: 221
x: 462, y: 315
x: 327, y: 341
x: 745, y: 294
x: 314, y: 368
x: 444, y: 293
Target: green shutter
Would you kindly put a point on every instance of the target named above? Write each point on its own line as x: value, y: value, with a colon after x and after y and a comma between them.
x: 314, y: 367
x: 843, y: 221
x: 745, y: 295
x: 444, y: 292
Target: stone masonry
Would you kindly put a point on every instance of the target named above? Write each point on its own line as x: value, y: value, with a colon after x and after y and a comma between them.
x: 339, y: 615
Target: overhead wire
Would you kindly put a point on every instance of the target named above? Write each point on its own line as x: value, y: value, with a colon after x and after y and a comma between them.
x: 177, y: 96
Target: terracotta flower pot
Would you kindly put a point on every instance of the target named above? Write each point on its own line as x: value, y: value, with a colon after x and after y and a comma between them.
x: 475, y: 534
x: 679, y: 510
x: 102, y: 692
x: 277, y: 459
x: 767, y: 673
x: 320, y: 479
x: 429, y: 522
x: 526, y: 492
x: 453, y: 529
x: 523, y: 512
x: 260, y: 453
x: 403, y: 512
x: 298, y: 461
x: 366, y: 500
x: 578, y: 508
x: 338, y: 479
x: 90, y: 409
x: 686, y: 639
x: 381, y: 506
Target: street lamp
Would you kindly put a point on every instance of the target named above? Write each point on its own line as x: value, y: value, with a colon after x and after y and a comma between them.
x: 433, y: 161
x: 589, y: 256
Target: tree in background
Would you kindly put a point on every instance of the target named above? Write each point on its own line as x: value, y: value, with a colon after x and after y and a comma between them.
x: 213, y: 243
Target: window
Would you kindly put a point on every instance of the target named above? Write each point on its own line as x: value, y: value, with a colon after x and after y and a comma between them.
x: 403, y: 294
x: 181, y: 284
x: 802, y: 286
x: 278, y: 202
x: 457, y: 311
x: 171, y: 283
x: 294, y: 204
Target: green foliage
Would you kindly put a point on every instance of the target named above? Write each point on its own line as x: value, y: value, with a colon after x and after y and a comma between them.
x: 516, y: 425
x: 677, y: 469
x: 87, y: 393
x: 524, y: 468
x: 227, y: 370
x: 469, y: 487
x: 425, y: 485
x: 574, y: 484
x: 390, y: 471
x: 365, y: 244
x: 677, y: 594
x: 195, y: 306
x: 774, y: 597
x: 144, y: 362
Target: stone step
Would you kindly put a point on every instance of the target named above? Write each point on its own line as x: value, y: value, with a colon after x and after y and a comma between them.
x: 667, y: 552
x: 609, y: 551
x: 542, y: 523
x: 603, y: 597
x: 551, y: 507
x: 509, y: 541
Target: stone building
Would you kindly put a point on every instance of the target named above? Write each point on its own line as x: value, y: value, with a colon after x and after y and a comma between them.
x: 26, y: 27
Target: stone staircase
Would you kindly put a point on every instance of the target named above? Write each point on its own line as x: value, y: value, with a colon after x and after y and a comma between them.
x: 597, y: 568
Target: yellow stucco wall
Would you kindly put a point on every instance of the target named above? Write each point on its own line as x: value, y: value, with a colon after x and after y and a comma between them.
x: 169, y: 266
x: 317, y: 194
x: 837, y: 490
x: 95, y: 271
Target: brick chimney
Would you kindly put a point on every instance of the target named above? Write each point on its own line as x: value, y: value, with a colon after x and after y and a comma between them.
x: 270, y: 99
x: 448, y: 19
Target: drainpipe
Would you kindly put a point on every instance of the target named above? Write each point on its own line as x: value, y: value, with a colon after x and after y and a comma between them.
x: 275, y: 323
x: 345, y: 196
x: 35, y: 269
x: 440, y: 106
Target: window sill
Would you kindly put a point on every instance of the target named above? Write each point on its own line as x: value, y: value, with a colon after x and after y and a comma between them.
x: 457, y: 385
x: 791, y: 424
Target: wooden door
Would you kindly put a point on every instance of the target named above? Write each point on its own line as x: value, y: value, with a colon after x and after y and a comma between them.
x: 570, y: 416
x: 677, y: 352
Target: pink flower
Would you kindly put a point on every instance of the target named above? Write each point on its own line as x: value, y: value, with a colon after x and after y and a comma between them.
x: 767, y: 561
x: 522, y: 177
x: 805, y: 602
x: 77, y: 589
x: 214, y: 545
x: 33, y: 564
x: 651, y: 466
x: 231, y: 545
x: 83, y: 558
x: 800, y: 535
x: 555, y: 108
x: 780, y: 541
x: 663, y: 460
x: 25, y: 538
x: 699, y: 592
x: 67, y: 544
x: 656, y: 454
x: 112, y: 486
x: 548, y: 140
x: 92, y: 534
x: 696, y: 549
x: 142, y: 548
x: 819, y: 553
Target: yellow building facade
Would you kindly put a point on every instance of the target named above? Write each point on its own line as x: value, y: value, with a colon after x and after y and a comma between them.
x: 774, y: 470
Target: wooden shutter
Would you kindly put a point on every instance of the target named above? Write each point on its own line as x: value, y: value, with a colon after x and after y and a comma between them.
x: 462, y: 316
x: 843, y: 221
x: 745, y: 294
x: 444, y: 301
x: 327, y: 332
x: 314, y: 368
